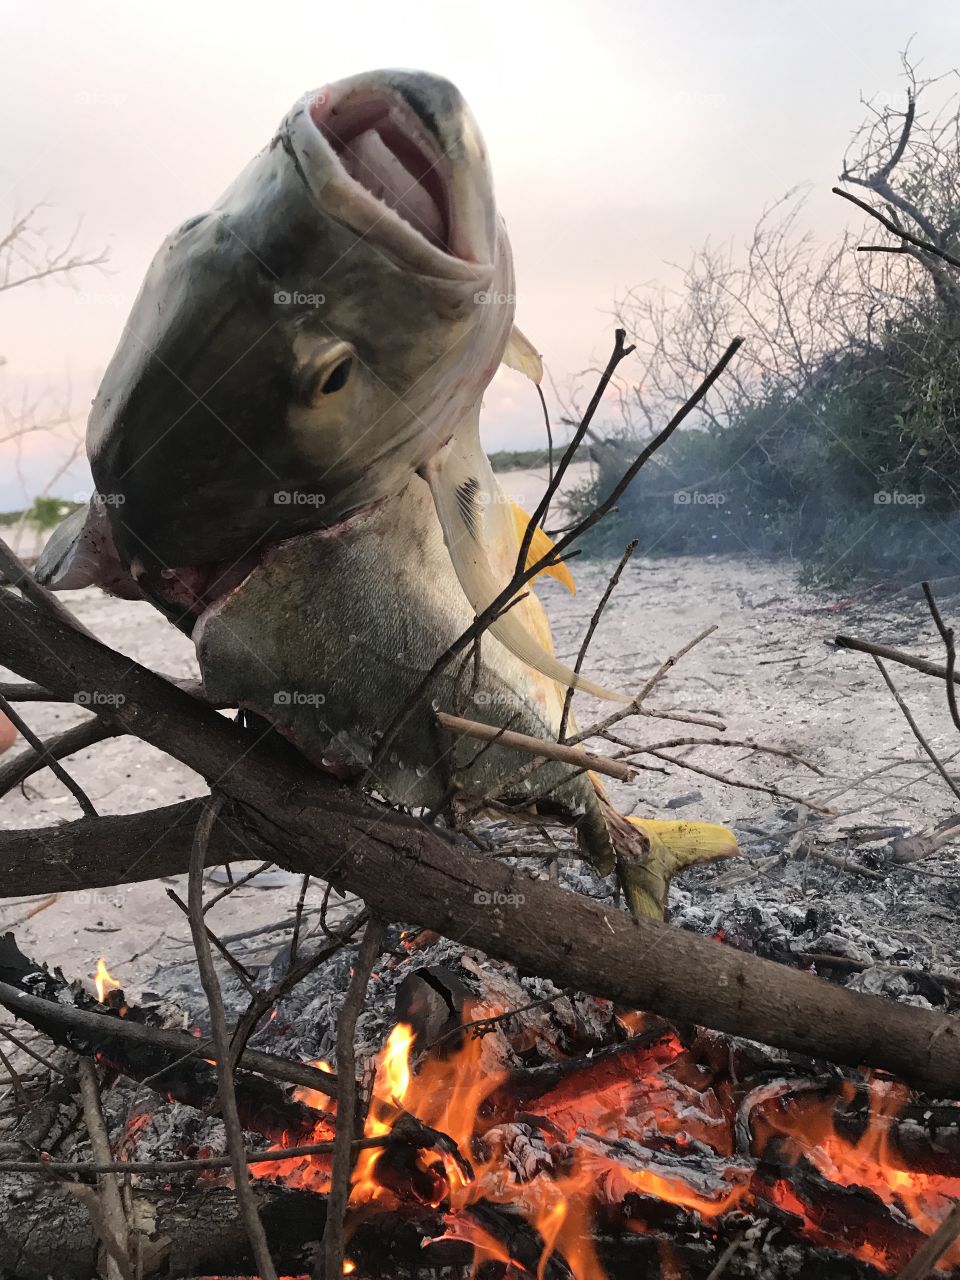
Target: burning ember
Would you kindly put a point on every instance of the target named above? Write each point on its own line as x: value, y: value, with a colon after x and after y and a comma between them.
x: 642, y: 1134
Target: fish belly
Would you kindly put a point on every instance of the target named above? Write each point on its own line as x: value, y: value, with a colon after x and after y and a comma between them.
x: 331, y: 634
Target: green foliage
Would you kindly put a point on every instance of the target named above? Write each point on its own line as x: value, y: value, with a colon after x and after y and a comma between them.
x: 44, y: 514
x: 856, y: 478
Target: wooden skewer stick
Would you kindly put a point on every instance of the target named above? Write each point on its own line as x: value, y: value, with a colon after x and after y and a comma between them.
x: 537, y: 746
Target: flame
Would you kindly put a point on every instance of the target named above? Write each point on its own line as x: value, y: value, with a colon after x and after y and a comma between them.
x: 103, y: 980
x: 651, y: 1098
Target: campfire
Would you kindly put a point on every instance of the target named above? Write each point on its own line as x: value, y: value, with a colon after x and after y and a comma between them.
x: 561, y: 1136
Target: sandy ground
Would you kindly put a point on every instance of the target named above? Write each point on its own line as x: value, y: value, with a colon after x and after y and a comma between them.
x: 767, y: 671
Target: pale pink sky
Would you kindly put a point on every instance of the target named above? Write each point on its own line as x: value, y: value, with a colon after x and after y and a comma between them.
x: 621, y: 134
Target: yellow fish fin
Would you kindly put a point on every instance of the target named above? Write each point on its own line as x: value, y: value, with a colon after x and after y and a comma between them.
x: 689, y: 842
x: 540, y: 545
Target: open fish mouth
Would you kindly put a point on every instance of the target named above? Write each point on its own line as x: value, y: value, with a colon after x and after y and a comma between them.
x: 399, y: 157
x: 384, y: 146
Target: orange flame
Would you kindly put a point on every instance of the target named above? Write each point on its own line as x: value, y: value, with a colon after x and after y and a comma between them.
x: 103, y: 980
x: 570, y: 1182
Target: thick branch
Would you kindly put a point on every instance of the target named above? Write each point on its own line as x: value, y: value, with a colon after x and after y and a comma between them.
x: 407, y: 871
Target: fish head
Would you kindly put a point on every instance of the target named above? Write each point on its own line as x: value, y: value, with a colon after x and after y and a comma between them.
x: 297, y: 352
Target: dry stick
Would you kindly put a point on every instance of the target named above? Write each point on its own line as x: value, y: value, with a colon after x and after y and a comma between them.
x: 339, y: 1192
x: 263, y: 1001
x: 76, y: 738
x: 89, y: 1199
x: 24, y: 1047
x: 769, y: 788
x: 25, y: 691
x: 915, y: 729
x: 922, y: 665
x: 898, y: 231
x: 924, y: 1261
x: 599, y: 728
x: 594, y: 622
x: 947, y: 636
x: 269, y: 1155
x: 234, y: 885
x: 244, y: 974
x: 19, y: 1092
x: 410, y: 872
x: 298, y: 917
x: 747, y: 743
x: 246, y: 1200
x: 536, y: 746
x: 110, y: 1203
x: 636, y: 705
x: 619, y: 353
x: 523, y: 575
x: 45, y: 757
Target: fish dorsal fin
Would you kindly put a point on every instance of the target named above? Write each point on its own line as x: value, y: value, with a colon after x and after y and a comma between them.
x: 480, y: 531
x: 522, y: 355
x: 540, y: 545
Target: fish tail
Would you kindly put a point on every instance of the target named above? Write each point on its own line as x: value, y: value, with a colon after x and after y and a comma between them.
x: 648, y: 852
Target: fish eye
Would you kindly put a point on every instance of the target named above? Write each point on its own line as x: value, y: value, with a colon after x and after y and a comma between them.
x: 337, y: 378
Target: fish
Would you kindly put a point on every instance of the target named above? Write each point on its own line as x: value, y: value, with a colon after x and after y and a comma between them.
x: 297, y: 352
x: 288, y: 464
x: 328, y: 640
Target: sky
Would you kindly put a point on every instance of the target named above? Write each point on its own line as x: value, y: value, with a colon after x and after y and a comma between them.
x: 621, y: 135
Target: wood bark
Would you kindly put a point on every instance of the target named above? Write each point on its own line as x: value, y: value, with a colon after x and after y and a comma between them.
x: 406, y: 870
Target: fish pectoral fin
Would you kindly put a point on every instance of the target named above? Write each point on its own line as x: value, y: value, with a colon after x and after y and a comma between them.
x: 522, y: 355
x: 470, y: 504
x: 540, y: 546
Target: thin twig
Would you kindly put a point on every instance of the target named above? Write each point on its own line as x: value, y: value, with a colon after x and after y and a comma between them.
x: 298, y: 916
x: 899, y: 231
x: 536, y: 746
x: 240, y: 970
x: 524, y: 572
x: 234, y: 885
x: 333, y: 1236
x: 947, y: 636
x: 915, y: 729
x: 46, y: 757
x: 77, y: 738
x: 111, y: 1206
x: 594, y: 623
x: 246, y: 1200
x: 924, y: 1261
x: 269, y: 1156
